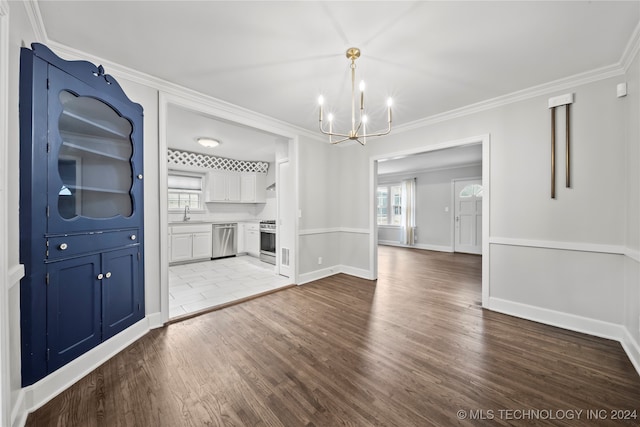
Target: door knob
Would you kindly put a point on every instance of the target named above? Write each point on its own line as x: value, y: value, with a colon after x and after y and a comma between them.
x: 63, y: 246
x: 132, y: 237
x: 100, y: 276
x: 108, y: 274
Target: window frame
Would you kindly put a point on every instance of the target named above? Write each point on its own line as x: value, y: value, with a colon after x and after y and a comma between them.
x: 200, y: 192
x: 392, y: 209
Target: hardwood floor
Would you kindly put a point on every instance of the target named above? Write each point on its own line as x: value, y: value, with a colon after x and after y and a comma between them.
x: 412, y: 349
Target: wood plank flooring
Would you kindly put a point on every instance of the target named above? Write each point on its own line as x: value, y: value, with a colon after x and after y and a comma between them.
x: 411, y: 349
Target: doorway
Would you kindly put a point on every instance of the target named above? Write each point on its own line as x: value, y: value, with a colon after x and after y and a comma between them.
x: 481, y: 217
x: 281, y: 142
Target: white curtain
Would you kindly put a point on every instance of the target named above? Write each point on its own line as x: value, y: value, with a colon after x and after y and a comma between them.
x: 409, y: 211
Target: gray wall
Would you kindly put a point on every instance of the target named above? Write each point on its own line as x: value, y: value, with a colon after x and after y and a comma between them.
x: 434, y: 192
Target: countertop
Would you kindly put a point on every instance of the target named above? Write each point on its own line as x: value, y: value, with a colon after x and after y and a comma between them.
x: 230, y: 221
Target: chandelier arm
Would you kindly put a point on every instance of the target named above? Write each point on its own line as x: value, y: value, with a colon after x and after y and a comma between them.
x: 340, y: 140
x: 335, y: 134
x: 380, y: 133
x: 332, y: 133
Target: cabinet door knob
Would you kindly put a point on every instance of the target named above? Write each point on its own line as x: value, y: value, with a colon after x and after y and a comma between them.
x: 108, y: 274
x: 63, y: 246
x: 133, y: 237
x: 100, y: 276
x: 139, y: 176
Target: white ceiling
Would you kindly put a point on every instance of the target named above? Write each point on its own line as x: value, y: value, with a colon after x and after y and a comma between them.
x: 236, y: 141
x: 275, y: 58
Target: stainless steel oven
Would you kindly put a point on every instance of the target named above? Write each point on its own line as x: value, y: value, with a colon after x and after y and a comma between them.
x: 268, y: 241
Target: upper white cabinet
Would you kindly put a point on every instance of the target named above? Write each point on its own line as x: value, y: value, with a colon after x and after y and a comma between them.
x: 253, y: 187
x: 236, y: 187
x: 223, y: 186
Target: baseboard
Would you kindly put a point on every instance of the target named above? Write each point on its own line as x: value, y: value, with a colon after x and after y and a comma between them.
x: 55, y: 383
x: 423, y: 246
x: 318, y: 274
x: 571, y: 322
x: 357, y: 272
x: 437, y: 248
x: 19, y: 411
x: 330, y: 271
x: 632, y: 348
x: 155, y: 320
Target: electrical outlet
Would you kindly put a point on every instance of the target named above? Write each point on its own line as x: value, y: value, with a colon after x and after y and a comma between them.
x: 319, y: 260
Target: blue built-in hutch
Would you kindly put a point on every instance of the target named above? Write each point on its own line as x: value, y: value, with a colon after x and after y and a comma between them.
x: 81, y: 210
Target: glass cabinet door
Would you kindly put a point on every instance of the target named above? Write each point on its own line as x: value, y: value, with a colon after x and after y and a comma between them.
x: 91, y: 159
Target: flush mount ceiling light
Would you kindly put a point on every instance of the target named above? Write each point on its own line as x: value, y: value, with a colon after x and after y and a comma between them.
x: 358, y: 130
x: 208, y: 142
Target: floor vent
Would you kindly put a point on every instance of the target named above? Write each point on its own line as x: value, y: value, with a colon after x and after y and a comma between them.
x: 284, y: 258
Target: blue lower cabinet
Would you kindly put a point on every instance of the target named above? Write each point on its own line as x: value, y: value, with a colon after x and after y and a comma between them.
x: 121, y: 302
x: 89, y: 300
x: 73, y: 309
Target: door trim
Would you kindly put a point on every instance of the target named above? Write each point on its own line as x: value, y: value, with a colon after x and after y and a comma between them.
x: 485, y: 140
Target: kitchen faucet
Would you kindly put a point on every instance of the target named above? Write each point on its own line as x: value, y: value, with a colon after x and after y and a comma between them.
x: 186, y: 213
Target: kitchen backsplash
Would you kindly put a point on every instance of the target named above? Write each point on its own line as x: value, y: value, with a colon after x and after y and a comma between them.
x: 231, y: 212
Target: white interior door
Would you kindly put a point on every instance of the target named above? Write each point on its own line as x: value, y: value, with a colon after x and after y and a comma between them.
x: 285, y: 226
x: 468, y: 216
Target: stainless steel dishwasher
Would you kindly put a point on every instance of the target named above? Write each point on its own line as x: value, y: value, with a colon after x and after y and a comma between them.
x: 224, y: 240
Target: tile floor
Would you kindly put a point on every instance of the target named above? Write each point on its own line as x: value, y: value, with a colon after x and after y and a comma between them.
x: 197, y: 286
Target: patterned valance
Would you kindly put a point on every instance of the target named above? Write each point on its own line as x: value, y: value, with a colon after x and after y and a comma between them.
x: 187, y: 158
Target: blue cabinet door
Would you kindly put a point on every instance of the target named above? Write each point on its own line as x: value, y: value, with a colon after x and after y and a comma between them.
x: 94, y: 158
x: 121, y: 291
x: 73, y: 309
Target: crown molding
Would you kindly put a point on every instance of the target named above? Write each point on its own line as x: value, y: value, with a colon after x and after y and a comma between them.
x: 35, y: 18
x: 521, y: 95
x: 631, y: 50
x: 4, y: 7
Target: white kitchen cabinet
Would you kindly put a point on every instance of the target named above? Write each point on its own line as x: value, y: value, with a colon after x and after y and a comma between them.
x: 223, y: 186
x: 252, y: 239
x: 181, y: 247
x: 240, y: 240
x: 201, y: 245
x: 253, y: 187
x: 190, y: 242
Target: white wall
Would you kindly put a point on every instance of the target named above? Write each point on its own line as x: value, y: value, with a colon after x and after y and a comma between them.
x: 433, y: 194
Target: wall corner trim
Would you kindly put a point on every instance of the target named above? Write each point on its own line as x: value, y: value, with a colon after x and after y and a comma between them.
x: 14, y: 274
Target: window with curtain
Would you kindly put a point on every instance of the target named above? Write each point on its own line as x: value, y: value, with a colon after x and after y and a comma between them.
x: 390, y: 204
x: 185, y: 190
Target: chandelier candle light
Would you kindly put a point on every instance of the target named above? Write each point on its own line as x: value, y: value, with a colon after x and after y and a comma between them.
x: 358, y: 131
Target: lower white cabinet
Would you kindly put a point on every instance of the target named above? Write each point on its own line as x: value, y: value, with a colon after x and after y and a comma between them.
x: 190, y: 242
x: 252, y: 239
